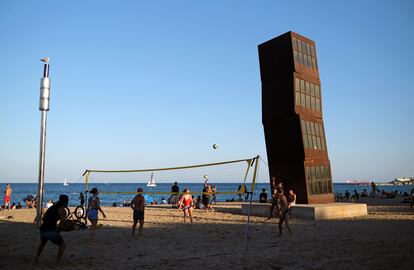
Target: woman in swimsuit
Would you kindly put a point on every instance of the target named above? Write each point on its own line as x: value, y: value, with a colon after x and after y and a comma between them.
x: 93, y: 208
x: 186, y: 202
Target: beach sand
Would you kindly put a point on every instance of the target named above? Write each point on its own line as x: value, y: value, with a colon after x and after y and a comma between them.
x: 382, y: 240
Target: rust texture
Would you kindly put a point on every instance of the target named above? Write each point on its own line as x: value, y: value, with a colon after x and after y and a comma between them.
x: 292, y: 118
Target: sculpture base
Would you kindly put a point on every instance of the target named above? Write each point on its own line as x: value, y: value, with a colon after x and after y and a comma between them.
x: 312, y: 211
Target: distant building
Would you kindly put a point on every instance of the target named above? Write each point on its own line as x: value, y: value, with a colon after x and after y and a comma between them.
x: 292, y: 117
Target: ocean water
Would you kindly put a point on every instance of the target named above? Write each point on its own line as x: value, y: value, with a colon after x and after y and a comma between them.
x: 53, y: 190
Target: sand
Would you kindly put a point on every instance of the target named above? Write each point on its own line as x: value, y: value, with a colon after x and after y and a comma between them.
x: 382, y: 240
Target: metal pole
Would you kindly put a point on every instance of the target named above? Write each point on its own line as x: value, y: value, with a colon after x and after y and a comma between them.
x: 250, y: 205
x: 43, y: 107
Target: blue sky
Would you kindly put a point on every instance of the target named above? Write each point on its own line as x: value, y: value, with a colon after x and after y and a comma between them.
x: 139, y: 84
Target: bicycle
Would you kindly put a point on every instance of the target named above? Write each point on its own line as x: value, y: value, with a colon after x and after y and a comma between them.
x: 75, y: 220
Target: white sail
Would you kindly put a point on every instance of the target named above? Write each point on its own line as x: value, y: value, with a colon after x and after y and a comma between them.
x: 151, y: 182
x: 65, y: 183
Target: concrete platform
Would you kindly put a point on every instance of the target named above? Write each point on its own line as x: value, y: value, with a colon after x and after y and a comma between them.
x: 312, y: 211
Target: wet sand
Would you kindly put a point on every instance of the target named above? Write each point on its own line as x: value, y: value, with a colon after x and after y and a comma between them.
x: 382, y: 240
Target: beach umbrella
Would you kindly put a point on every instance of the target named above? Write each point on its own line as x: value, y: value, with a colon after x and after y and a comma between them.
x: 148, y: 198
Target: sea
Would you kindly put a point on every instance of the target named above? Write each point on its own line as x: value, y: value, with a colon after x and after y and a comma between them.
x: 124, y: 191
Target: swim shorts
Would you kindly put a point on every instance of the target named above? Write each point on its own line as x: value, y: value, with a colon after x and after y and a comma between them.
x: 93, y: 214
x: 53, y: 236
x: 138, y: 215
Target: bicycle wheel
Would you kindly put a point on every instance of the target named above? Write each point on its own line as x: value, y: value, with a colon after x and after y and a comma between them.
x: 79, y: 212
x: 67, y: 211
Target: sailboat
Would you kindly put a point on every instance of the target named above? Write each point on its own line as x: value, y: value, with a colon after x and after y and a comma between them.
x: 151, y: 182
x: 65, y: 183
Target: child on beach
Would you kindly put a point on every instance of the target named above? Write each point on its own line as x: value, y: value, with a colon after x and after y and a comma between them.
x: 187, y: 201
x: 138, y: 205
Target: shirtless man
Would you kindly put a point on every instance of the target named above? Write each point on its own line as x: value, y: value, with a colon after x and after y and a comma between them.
x: 137, y: 204
x: 48, y: 230
x: 283, y: 208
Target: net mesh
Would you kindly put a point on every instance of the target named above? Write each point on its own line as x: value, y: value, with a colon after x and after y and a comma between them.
x: 237, y: 171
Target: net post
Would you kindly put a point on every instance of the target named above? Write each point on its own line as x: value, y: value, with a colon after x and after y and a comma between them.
x: 86, y: 181
x: 255, y: 172
x: 86, y: 188
x: 250, y: 203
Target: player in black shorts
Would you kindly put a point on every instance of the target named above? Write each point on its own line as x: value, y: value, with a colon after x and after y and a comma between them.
x: 48, y: 229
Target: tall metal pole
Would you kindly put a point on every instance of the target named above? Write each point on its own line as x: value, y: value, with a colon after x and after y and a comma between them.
x: 43, y: 107
x: 250, y: 203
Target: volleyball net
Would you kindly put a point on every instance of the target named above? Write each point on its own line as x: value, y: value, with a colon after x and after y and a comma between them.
x: 243, y: 171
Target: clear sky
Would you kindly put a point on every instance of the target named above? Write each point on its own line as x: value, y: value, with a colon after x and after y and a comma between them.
x: 139, y: 84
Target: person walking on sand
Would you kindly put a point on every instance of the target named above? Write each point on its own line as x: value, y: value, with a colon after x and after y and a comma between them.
x: 186, y: 202
x: 138, y: 205
x: 48, y: 230
x: 7, y: 197
x: 283, y: 208
x: 93, y: 208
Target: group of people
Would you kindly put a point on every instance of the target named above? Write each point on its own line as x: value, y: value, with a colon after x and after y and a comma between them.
x: 205, y: 200
x: 29, y: 200
x: 355, y: 196
x: 49, y: 231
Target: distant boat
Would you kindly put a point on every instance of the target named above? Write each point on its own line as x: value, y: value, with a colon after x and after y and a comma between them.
x: 357, y: 182
x: 65, y: 182
x: 403, y: 181
x: 151, y: 182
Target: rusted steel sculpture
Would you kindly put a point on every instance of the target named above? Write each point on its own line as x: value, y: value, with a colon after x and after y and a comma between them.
x: 292, y: 118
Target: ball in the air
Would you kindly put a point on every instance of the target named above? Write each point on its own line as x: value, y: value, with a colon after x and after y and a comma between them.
x: 215, y: 146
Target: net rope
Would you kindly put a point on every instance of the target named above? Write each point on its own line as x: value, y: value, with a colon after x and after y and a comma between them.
x: 235, y: 171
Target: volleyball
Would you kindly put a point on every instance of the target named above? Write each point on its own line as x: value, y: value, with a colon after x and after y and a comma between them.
x: 215, y: 146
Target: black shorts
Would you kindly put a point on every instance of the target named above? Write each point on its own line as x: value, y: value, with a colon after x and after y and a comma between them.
x: 53, y: 236
x: 138, y: 215
x: 206, y: 200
